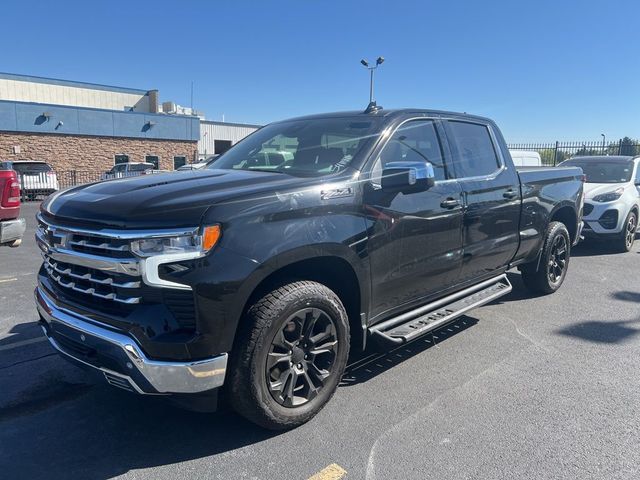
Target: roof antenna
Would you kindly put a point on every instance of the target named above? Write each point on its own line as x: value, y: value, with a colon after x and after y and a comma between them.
x: 372, y: 107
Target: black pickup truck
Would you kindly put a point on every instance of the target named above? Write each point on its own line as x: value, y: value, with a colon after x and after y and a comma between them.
x: 310, y: 237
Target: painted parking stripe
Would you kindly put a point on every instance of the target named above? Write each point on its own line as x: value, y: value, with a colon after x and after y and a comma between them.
x: 5, y: 280
x: 331, y: 472
x: 22, y: 343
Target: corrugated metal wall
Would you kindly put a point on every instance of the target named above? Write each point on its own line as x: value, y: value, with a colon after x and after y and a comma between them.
x: 212, y: 131
x: 38, y: 92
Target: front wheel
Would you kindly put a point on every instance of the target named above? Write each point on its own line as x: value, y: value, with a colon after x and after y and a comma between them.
x: 290, y: 354
x: 628, y: 235
x: 547, y: 275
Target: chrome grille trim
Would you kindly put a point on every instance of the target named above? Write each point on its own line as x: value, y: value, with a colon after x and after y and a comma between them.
x: 88, y: 291
x: 126, y: 266
x: 109, y: 251
x: 121, y: 234
x: 99, y: 246
x: 88, y: 277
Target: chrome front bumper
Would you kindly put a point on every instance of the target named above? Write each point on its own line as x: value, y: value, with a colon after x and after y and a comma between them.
x: 11, y: 230
x: 120, y: 359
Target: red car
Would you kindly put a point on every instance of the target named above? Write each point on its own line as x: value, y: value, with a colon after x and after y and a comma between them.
x: 11, y: 227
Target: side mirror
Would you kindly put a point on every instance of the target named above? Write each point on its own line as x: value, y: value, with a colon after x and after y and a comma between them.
x: 408, y: 176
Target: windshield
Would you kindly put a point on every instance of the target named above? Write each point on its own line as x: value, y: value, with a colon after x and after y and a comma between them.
x: 314, y: 147
x: 603, y: 171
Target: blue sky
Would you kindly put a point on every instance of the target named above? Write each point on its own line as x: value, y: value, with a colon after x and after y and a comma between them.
x: 544, y: 70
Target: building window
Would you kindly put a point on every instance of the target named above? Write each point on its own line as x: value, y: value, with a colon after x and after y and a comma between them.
x: 221, y: 146
x: 153, y: 159
x: 120, y: 158
x: 178, y: 162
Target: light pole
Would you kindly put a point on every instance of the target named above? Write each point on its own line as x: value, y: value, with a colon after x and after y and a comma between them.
x: 371, y: 69
x: 604, y: 142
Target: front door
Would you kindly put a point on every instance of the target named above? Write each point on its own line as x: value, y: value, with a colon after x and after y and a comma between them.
x: 414, y: 238
x: 491, y: 190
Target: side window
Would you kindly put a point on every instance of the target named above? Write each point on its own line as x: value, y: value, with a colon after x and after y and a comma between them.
x: 179, y: 162
x: 637, y: 180
x: 474, y: 154
x: 153, y: 159
x: 414, y: 141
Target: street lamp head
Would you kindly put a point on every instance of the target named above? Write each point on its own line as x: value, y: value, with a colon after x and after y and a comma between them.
x: 379, y: 60
x: 364, y: 62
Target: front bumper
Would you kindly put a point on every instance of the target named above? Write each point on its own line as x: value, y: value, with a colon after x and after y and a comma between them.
x: 594, y: 228
x: 118, y: 357
x: 11, y: 230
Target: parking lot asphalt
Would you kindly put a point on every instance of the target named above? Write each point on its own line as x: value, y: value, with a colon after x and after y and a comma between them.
x: 526, y: 387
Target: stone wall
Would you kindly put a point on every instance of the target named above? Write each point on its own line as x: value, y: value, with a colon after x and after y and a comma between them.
x: 90, y: 154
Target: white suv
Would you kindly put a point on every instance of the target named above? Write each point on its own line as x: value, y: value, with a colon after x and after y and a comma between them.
x: 36, y: 178
x: 612, y: 198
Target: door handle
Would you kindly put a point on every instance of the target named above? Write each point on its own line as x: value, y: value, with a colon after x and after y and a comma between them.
x: 511, y: 193
x: 450, y: 203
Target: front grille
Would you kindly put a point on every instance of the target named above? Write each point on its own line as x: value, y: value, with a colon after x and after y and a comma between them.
x: 99, y: 273
x: 85, y: 242
x: 106, y: 247
x: 588, y: 208
x: 92, y: 282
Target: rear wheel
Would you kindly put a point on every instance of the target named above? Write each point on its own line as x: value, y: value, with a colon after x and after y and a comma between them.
x: 628, y: 235
x: 290, y: 355
x: 549, y: 273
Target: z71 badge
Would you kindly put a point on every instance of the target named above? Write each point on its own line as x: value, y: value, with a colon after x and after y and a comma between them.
x: 336, y: 193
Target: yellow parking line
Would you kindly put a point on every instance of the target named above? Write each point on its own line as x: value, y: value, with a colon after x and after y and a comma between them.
x: 3, y: 280
x: 331, y: 472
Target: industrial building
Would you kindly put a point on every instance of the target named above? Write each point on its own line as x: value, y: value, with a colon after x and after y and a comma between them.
x: 218, y: 137
x: 77, y: 126
x: 86, y: 127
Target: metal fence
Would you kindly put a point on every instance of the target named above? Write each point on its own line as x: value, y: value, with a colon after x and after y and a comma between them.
x: 554, y: 153
x: 37, y: 186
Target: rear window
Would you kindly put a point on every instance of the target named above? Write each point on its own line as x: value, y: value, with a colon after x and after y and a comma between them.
x: 31, y: 167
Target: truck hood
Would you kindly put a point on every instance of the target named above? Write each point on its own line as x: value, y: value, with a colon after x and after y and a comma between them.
x: 174, y: 199
x: 593, y: 189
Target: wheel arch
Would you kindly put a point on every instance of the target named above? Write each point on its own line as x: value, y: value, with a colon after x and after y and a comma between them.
x: 332, y: 268
x: 568, y: 216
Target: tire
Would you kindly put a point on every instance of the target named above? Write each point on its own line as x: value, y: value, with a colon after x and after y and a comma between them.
x: 547, y: 275
x: 273, y: 388
x: 628, y: 235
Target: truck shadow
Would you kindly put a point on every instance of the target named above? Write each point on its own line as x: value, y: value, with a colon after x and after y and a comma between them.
x: 592, y: 248
x: 106, y: 433
x: 100, y: 432
x: 371, y: 363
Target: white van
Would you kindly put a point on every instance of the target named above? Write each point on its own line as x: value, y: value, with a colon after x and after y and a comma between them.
x: 525, y: 158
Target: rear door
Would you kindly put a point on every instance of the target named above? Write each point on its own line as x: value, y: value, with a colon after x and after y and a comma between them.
x: 491, y: 191
x: 414, y: 240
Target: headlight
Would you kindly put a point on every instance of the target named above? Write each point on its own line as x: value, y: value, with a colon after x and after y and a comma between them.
x: 198, y: 244
x: 609, y: 196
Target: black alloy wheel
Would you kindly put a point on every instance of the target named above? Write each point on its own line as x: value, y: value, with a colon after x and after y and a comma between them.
x: 557, y: 259
x: 301, y: 357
